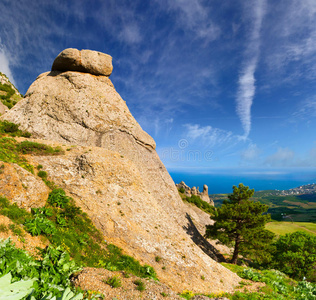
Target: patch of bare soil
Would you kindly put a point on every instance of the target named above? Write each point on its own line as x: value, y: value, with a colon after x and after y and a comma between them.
x: 94, y: 279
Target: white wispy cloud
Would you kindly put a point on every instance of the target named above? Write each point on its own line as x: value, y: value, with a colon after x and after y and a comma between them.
x: 283, y: 157
x: 194, y: 16
x: 5, y: 66
x: 251, y: 153
x: 246, y: 89
x: 208, y: 135
x: 292, y: 34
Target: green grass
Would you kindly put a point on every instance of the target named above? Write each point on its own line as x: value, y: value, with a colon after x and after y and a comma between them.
x: 12, y: 151
x: 198, y: 202
x: 114, y: 281
x: 140, y: 285
x: 282, y: 228
x: 9, y: 97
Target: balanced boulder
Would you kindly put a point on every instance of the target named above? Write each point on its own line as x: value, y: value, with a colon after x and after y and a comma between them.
x: 86, y: 61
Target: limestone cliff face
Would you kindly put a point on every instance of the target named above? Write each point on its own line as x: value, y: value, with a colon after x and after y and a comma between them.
x: 115, y: 174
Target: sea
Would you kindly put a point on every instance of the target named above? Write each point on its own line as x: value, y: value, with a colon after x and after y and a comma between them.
x: 222, y: 182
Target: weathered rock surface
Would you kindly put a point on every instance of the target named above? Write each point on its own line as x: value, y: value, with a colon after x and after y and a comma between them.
x: 121, y: 183
x: 3, y: 108
x: 110, y: 188
x: 85, y: 61
x: 22, y: 187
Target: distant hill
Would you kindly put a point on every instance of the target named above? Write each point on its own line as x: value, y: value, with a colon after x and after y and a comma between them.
x: 298, y: 204
x: 9, y: 95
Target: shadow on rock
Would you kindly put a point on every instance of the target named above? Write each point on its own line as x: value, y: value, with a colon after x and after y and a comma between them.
x: 200, y: 241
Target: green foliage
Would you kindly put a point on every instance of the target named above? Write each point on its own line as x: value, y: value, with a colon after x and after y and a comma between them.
x: 39, y: 224
x: 278, y: 286
x: 181, y: 190
x: 114, y: 281
x: 69, y: 295
x: 9, y: 153
x: 58, y: 198
x: 295, y: 255
x: 12, y: 129
x: 240, y: 222
x: 198, y: 202
x: 140, y: 285
x: 186, y: 294
x: 250, y: 274
x: 17, y: 290
x: 12, y: 211
x: 27, y: 147
x: 65, y: 225
x: 42, y: 174
x: 7, y: 99
x: 51, y: 274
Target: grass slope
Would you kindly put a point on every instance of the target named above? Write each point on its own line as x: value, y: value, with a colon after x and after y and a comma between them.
x: 281, y: 228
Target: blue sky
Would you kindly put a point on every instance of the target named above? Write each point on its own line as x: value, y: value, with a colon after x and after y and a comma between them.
x: 218, y: 84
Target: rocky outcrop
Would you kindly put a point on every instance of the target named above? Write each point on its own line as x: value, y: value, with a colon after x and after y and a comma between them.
x: 195, y: 191
x: 85, y: 61
x: 22, y: 187
x: 116, y: 176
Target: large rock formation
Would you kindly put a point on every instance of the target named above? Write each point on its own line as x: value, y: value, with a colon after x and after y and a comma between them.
x: 116, y: 175
x: 195, y: 191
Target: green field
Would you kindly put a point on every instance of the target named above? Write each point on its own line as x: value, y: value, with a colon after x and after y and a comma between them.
x: 297, y: 208
x: 281, y: 228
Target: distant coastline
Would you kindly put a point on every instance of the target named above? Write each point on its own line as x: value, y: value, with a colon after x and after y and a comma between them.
x: 222, y: 183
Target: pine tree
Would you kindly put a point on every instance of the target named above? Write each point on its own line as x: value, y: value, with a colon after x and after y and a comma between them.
x: 240, y: 222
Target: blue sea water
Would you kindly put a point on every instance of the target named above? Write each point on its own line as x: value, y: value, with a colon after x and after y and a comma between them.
x: 223, y: 182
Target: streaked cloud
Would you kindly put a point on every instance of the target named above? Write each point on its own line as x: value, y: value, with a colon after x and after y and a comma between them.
x: 246, y: 89
x: 194, y: 16
x: 250, y: 154
x: 208, y: 135
x: 5, y: 66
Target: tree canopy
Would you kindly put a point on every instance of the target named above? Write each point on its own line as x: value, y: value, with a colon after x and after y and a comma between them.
x: 295, y: 255
x: 240, y: 222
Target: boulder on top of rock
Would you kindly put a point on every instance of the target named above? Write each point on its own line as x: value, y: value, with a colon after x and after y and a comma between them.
x: 86, y: 61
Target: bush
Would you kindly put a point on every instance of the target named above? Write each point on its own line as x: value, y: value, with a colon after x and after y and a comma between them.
x: 58, y: 198
x: 27, y: 147
x: 182, y: 190
x: 295, y: 254
x: 140, y: 285
x: 42, y: 174
x: 12, y: 129
x: 198, y: 202
x: 114, y: 281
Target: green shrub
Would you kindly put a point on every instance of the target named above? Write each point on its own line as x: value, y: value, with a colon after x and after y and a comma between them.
x: 181, y: 190
x: 42, y: 174
x: 27, y: 147
x: 12, y: 211
x: 198, y: 202
x: 12, y: 129
x: 250, y: 274
x: 3, y: 228
x: 295, y: 254
x: 58, y: 198
x: 114, y: 281
x: 10, y: 154
x: 40, y: 225
x: 140, y: 285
